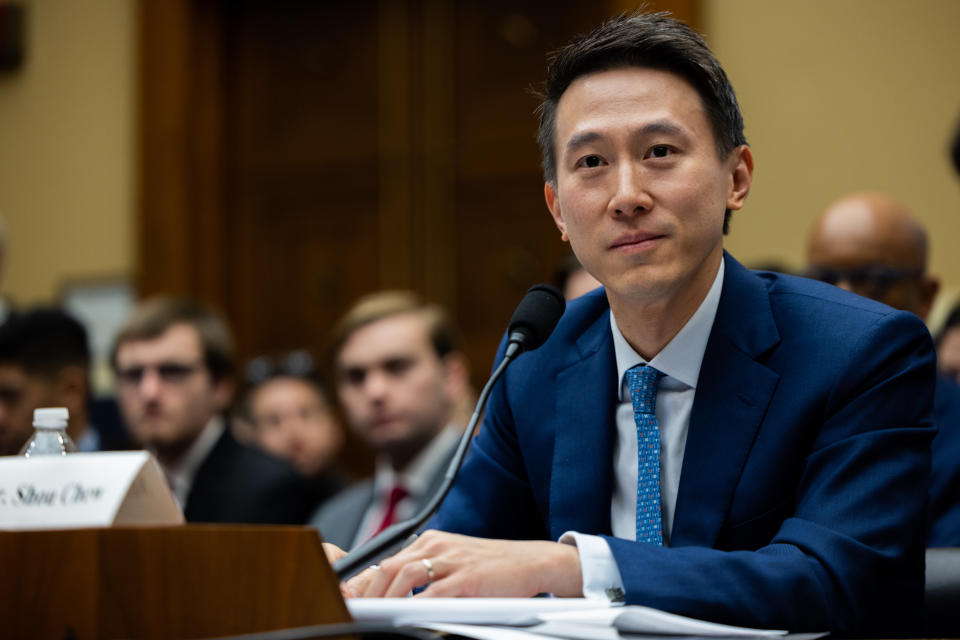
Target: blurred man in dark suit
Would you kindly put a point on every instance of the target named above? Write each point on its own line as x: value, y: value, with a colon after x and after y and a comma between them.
x: 173, y: 361
x: 871, y: 244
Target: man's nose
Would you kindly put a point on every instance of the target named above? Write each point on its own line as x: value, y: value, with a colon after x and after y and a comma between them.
x: 293, y: 443
x: 150, y: 383
x: 375, y: 385
x: 631, y: 195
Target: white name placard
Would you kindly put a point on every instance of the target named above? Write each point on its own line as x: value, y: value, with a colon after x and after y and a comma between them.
x: 85, y: 490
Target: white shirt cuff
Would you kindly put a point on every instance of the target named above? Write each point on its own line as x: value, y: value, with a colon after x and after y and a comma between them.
x: 601, y: 577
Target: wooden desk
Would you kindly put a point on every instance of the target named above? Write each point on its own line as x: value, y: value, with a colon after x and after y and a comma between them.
x: 188, y: 581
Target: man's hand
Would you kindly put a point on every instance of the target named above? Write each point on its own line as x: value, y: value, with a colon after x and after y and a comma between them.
x: 333, y: 552
x: 465, y: 566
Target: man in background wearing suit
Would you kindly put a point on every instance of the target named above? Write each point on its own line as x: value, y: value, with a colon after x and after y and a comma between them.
x: 399, y: 375
x: 745, y: 448
x: 173, y: 361
x: 872, y: 245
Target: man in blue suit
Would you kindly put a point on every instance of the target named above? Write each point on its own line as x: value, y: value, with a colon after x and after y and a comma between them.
x: 789, y: 421
x: 872, y: 245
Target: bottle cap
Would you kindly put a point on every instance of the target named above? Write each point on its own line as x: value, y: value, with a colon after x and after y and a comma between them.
x: 55, y: 417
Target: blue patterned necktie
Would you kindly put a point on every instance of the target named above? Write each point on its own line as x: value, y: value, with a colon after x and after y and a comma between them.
x: 642, y: 381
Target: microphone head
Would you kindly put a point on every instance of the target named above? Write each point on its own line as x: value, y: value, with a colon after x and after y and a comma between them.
x: 536, y: 316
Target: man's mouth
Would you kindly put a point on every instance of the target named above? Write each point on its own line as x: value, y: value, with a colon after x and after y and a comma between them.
x: 381, y: 421
x: 637, y: 240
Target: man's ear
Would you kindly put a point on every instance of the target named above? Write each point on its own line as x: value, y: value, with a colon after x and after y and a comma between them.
x: 553, y: 204
x: 71, y: 388
x: 741, y: 176
x: 456, y: 374
x: 929, y: 288
x: 223, y: 393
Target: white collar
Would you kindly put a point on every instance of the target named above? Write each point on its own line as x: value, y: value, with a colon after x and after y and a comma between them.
x: 89, y: 440
x: 180, y: 474
x: 418, y: 475
x: 681, y: 358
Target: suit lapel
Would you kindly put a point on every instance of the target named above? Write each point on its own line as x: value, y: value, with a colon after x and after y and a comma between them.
x: 581, y: 476
x: 733, y: 392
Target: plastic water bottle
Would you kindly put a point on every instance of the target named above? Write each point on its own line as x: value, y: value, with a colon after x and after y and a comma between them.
x: 49, y: 434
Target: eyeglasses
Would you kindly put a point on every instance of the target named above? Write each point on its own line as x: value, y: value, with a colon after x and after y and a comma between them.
x: 871, y: 280
x: 10, y: 394
x: 168, y: 372
x: 295, y: 364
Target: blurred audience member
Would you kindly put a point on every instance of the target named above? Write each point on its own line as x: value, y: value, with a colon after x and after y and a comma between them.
x: 45, y: 362
x: 291, y: 417
x: 955, y: 150
x: 399, y: 372
x: 572, y: 279
x: 771, y: 265
x: 173, y: 361
x: 948, y: 346
x: 5, y: 305
x: 872, y: 245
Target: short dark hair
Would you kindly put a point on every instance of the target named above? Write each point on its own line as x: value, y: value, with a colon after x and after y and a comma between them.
x: 43, y: 341
x: 443, y: 335
x: 652, y: 40
x: 298, y: 365
x: 153, y: 317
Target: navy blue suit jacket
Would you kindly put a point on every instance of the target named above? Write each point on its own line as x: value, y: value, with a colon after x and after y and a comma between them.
x: 804, y: 480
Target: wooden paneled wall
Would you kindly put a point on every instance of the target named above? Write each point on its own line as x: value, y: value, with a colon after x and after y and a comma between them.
x: 296, y: 155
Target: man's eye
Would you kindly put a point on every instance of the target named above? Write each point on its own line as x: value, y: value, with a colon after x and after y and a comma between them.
x: 660, y: 151
x: 398, y: 367
x: 591, y: 161
x: 268, y: 422
x: 354, y: 377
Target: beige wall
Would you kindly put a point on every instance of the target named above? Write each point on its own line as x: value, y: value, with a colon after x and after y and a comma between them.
x: 840, y: 96
x: 66, y: 148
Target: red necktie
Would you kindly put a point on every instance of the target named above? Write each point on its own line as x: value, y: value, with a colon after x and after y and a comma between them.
x: 397, y: 494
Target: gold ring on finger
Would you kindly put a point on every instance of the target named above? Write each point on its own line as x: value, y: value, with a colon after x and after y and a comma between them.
x: 429, y: 566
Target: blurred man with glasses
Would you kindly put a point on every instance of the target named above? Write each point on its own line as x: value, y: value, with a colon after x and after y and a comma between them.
x: 872, y: 245
x: 173, y: 361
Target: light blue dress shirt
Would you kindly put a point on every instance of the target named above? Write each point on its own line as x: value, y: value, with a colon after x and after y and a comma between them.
x: 680, y: 362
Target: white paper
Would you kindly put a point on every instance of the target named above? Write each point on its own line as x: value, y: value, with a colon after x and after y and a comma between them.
x: 575, y: 631
x: 646, y: 620
x: 507, y: 611
x: 593, y: 619
x: 84, y: 490
x: 482, y: 632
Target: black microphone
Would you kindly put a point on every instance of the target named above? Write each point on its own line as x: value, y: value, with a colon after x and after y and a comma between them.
x: 532, y: 323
